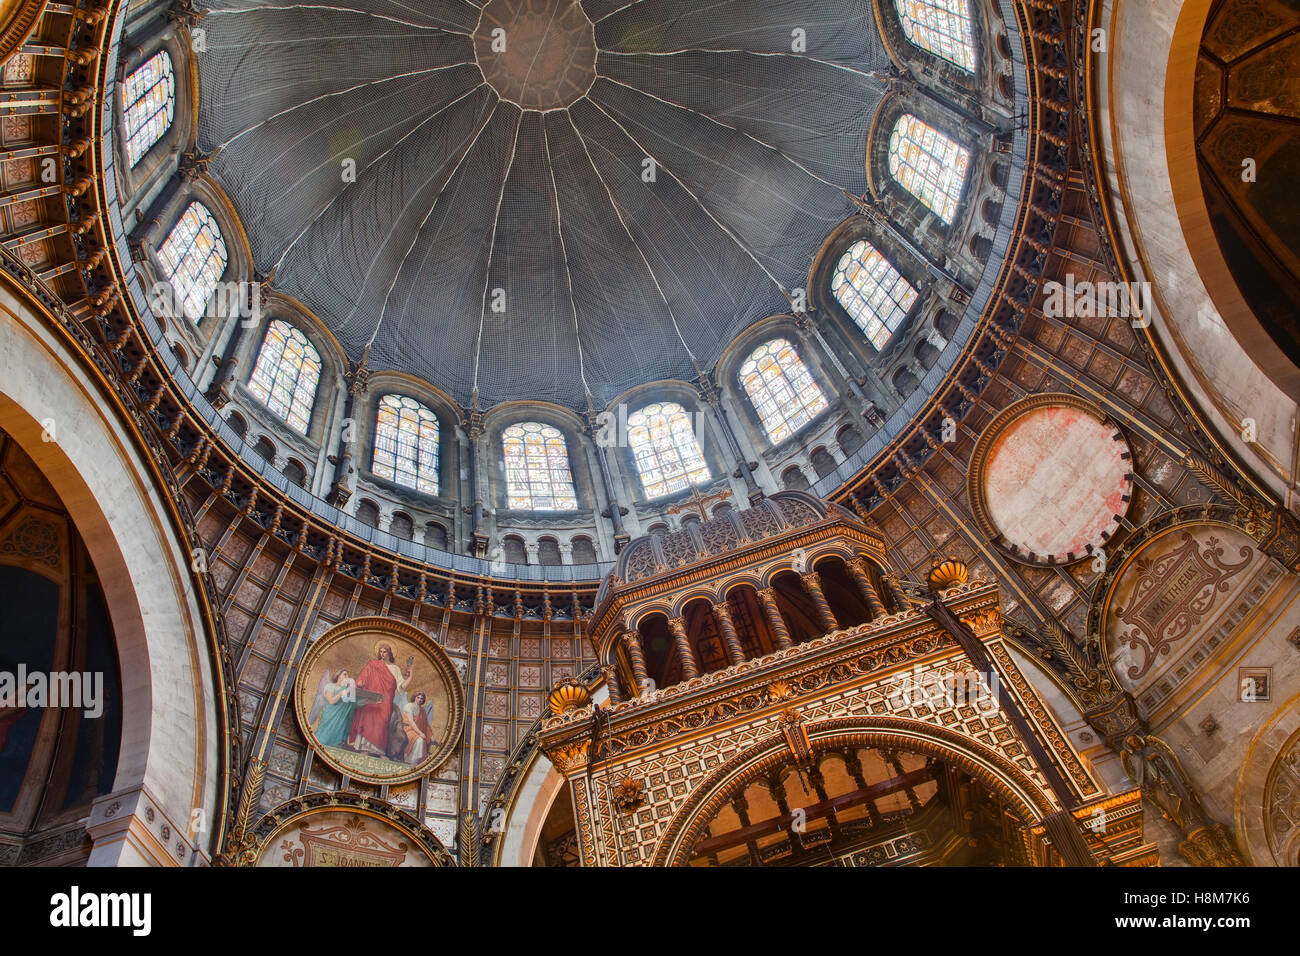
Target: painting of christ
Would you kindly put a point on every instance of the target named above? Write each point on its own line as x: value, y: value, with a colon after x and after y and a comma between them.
x: 380, y: 704
x: 380, y: 676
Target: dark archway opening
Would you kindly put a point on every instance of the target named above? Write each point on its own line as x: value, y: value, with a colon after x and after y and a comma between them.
x: 661, y: 661
x: 751, y: 623
x: 705, y: 636
x: 557, y: 844
x: 796, y: 607
x: 842, y: 594
x: 862, y: 806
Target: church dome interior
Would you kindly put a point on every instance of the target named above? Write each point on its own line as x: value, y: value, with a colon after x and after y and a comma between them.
x: 571, y: 433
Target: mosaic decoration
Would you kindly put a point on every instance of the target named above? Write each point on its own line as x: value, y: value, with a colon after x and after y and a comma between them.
x: 1172, y: 595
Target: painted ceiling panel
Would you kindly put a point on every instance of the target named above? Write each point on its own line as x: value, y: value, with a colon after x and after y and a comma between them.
x: 549, y: 201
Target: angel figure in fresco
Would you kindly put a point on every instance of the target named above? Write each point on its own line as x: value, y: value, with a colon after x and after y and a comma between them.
x: 415, y: 727
x: 331, y: 711
x: 369, y: 732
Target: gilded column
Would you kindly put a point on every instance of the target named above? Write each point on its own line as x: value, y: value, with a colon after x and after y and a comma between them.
x: 812, y: 583
x: 858, y: 568
x: 735, y: 651
x: 612, y: 683
x: 690, y: 668
x: 774, y: 620
x: 632, y: 644
x: 896, y: 594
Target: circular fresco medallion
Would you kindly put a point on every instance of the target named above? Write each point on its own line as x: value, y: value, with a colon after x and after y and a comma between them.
x: 1049, y: 479
x: 378, y: 700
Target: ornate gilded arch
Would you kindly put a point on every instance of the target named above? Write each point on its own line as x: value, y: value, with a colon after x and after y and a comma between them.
x: 1000, y: 776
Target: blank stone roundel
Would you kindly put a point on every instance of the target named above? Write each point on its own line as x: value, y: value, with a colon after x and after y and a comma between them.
x: 1053, y: 482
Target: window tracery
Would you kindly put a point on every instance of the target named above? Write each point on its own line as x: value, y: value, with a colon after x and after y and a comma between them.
x: 286, y: 374
x: 538, y: 476
x: 928, y: 165
x: 667, y: 453
x: 406, y: 444
x: 781, y: 389
x: 194, y: 258
x: 872, y: 292
x: 149, y: 96
x: 941, y: 27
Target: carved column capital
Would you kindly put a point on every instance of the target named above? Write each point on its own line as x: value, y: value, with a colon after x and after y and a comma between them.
x: 1210, y: 845
x: 570, y: 757
x: 1155, y: 767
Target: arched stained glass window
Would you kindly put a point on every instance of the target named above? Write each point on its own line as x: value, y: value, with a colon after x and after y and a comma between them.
x: 784, y: 394
x: 406, y: 444
x: 194, y: 256
x: 286, y: 374
x: 668, y: 455
x: 943, y: 27
x: 149, y: 97
x: 872, y: 292
x: 537, y: 468
x: 928, y: 164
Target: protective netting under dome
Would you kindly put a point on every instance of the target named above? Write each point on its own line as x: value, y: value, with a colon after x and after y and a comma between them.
x: 520, y: 251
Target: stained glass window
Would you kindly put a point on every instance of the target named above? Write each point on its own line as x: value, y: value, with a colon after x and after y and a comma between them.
x: 406, y: 444
x: 928, y: 164
x: 942, y: 27
x: 286, y: 374
x: 194, y: 255
x: 668, y: 455
x: 872, y: 292
x: 149, y: 95
x: 537, y: 468
x: 784, y: 394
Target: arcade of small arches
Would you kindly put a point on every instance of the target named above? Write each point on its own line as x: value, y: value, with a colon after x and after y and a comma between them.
x: 745, y: 620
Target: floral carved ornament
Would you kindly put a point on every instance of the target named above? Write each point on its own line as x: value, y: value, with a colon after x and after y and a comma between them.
x: 1173, y: 594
